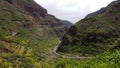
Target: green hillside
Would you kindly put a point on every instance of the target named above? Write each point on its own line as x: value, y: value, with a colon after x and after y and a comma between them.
x: 28, y: 34
x: 94, y: 35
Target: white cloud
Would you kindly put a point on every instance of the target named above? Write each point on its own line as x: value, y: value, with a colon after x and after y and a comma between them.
x: 72, y: 10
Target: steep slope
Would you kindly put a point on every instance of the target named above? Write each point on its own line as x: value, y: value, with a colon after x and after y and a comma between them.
x: 102, y: 10
x: 27, y: 33
x: 36, y: 16
x: 94, y: 35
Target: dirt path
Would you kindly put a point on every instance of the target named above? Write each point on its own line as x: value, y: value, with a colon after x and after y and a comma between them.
x: 68, y: 57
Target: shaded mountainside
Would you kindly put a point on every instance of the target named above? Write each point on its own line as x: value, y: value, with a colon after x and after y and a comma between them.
x: 94, y: 35
x: 27, y: 33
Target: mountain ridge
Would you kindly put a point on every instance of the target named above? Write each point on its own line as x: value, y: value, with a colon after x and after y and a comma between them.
x: 100, y: 11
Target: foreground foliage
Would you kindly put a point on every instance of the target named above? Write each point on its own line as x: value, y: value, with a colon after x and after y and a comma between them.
x: 109, y: 59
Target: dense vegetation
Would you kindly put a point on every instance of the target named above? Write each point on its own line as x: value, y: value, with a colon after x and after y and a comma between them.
x: 110, y: 59
x: 94, y: 35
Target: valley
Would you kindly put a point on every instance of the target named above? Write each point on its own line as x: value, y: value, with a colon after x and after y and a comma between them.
x: 30, y: 37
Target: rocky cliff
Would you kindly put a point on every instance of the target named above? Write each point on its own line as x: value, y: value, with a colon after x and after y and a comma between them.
x: 33, y: 15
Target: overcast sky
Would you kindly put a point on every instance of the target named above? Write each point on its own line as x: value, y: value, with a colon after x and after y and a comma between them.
x: 72, y: 10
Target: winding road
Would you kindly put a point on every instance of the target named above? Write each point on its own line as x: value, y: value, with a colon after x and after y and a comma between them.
x: 68, y: 57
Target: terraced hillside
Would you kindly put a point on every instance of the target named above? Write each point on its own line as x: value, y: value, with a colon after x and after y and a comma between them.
x: 95, y: 34
x: 27, y: 34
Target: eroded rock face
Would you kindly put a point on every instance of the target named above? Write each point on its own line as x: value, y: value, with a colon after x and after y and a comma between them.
x: 29, y: 6
x: 34, y: 15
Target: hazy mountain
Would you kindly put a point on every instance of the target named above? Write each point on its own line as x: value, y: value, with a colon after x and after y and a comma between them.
x: 68, y: 24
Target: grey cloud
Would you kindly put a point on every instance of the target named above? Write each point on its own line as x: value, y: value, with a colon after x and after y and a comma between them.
x: 72, y: 10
